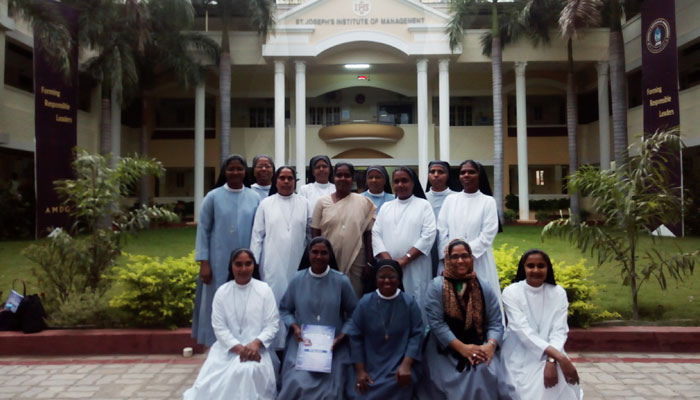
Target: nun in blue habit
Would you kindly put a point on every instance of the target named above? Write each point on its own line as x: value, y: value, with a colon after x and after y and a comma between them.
x: 386, y: 333
x: 378, y: 186
x: 318, y: 295
x: 225, y: 224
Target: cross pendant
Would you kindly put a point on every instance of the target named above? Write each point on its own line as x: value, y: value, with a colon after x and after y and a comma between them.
x: 386, y: 337
x: 318, y: 318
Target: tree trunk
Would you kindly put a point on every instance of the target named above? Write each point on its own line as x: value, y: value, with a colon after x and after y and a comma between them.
x: 106, y: 125
x: 497, y: 86
x: 144, y: 187
x: 225, y: 95
x: 618, y: 84
x: 633, y: 283
x: 571, y: 122
x: 497, y: 128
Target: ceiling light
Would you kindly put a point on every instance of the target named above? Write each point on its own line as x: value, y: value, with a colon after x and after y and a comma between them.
x: 356, y: 66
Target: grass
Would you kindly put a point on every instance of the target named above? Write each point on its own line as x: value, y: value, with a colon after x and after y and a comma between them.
x: 680, y: 304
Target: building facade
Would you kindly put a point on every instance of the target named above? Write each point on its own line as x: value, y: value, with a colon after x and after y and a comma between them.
x: 369, y: 82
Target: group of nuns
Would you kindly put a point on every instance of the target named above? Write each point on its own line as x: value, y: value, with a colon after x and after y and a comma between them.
x: 406, y: 278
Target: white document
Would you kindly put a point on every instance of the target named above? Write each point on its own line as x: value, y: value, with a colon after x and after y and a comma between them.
x: 316, y: 348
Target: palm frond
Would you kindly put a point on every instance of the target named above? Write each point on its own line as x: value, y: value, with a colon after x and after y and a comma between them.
x: 463, y: 13
x: 261, y: 15
x: 579, y: 14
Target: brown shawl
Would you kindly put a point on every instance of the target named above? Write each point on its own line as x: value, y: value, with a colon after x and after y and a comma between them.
x: 466, y: 304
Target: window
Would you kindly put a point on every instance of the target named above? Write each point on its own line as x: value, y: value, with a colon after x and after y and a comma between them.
x: 19, y: 67
x: 539, y: 177
x: 324, y: 115
x: 261, y: 117
x: 689, y: 66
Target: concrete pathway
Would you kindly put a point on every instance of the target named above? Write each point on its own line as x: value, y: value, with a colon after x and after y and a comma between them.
x: 604, y: 376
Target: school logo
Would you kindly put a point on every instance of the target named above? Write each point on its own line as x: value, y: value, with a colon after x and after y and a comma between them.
x: 361, y: 8
x: 658, y: 35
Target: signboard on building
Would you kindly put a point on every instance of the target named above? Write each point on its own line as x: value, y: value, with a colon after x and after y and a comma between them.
x: 660, y: 77
x: 55, y: 121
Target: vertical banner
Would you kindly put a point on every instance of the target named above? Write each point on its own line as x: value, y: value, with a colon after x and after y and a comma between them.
x: 660, y: 76
x: 55, y: 121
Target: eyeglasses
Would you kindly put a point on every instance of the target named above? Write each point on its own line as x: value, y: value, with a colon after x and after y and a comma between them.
x: 455, y: 257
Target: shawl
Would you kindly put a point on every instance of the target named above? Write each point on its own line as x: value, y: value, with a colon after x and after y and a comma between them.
x: 462, y: 297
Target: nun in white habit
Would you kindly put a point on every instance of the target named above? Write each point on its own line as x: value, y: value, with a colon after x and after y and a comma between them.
x: 245, y: 320
x: 405, y: 231
x: 280, y: 232
x: 533, y: 349
x: 471, y: 215
x: 319, y: 180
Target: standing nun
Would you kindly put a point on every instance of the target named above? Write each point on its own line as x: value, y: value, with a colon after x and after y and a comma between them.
x: 378, y: 186
x: 263, y: 167
x: 436, y: 191
x: 405, y: 231
x: 280, y: 233
x: 225, y: 223
x: 319, y: 181
x: 471, y: 215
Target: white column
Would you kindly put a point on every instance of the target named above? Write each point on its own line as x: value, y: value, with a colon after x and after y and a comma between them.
x: 279, y: 113
x: 422, y: 76
x: 198, y: 148
x: 116, y: 127
x: 521, y: 114
x: 301, y: 120
x: 444, y: 104
x: 603, y: 114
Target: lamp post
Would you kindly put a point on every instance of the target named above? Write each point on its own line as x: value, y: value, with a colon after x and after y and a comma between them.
x: 207, y: 3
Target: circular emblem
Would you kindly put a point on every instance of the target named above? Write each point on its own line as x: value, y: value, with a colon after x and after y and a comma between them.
x: 361, y: 8
x: 658, y: 35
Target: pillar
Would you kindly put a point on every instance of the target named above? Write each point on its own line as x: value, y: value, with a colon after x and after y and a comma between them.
x: 279, y: 113
x: 521, y: 118
x: 198, y: 149
x: 116, y: 126
x: 301, y: 120
x: 603, y: 114
x: 444, y: 104
x: 422, y: 86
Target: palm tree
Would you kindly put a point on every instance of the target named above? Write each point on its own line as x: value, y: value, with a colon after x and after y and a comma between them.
x: 529, y: 17
x: 618, y: 82
x: 576, y: 15
x: 260, y: 17
x: 50, y: 27
x: 169, y: 52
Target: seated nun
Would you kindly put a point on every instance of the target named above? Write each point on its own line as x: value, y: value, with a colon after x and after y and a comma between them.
x: 317, y: 295
x: 245, y: 322
x: 461, y: 355
x: 533, y: 351
x: 386, y: 334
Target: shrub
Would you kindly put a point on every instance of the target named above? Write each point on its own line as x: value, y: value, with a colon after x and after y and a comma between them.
x: 509, y: 215
x: 512, y: 202
x: 89, y: 309
x: 580, y: 290
x: 157, y: 293
x: 543, y: 216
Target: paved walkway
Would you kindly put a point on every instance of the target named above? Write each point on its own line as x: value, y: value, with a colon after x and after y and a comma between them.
x: 603, y: 375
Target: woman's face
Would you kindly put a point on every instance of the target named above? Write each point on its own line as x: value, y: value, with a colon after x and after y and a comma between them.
x: 535, y: 270
x: 403, y: 184
x: 263, y: 171
x: 437, y: 177
x: 235, y: 173
x: 285, y: 182
x: 469, y: 177
x: 461, y: 260
x: 375, y: 181
x: 321, y: 171
x: 242, y: 268
x: 343, y: 179
x: 319, y: 255
x: 387, y: 281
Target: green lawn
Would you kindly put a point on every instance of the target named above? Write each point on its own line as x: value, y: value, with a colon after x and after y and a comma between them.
x: 680, y: 304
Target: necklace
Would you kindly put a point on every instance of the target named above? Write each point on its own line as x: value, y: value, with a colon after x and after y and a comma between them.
x: 287, y: 214
x: 245, y: 306
x: 381, y: 315
x: 316, y: 305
